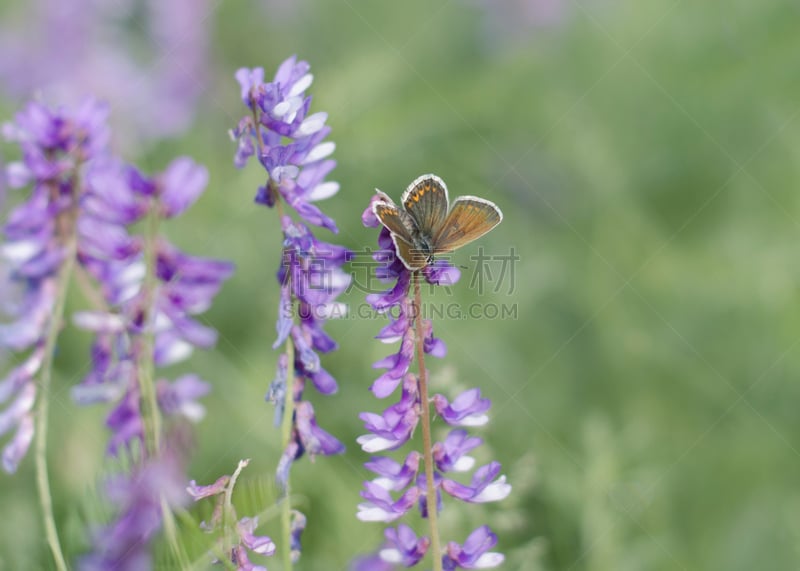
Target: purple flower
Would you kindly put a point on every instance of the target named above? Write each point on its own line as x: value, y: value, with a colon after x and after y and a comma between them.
x: 125, y: 543
x: 394, y: 476
x: 56, y: 144
x: 468, y: 409
x: 474, y: 554
x: 118, y: 196
x: 314, y: 440
x: 380, y: 506
x: 486, y: 486
x: 403, y: 546
x: 290, y: 145
x: 451, y: 455
x: 394, y: 427
x: 199, y: 492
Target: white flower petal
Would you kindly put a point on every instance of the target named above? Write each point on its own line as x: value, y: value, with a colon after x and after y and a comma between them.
x: 391, y: 555
x: 464, y: 464
x: 496, y: 491
x: 320, y: 152
x: 474, y: 420
x: 371, y: 443
x: 488, y: 560
x: 323, y: 191
x: 301, y: 85
x: 311, y: 124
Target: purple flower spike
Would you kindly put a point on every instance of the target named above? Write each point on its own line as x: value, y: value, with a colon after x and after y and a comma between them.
x: 118, y: 196
x: 474, y: 554
x: 290, y: 143
x: 57, y: 146
x: 394, y: 427
x: 403, y: 546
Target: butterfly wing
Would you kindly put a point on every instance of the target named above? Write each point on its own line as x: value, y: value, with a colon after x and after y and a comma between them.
x: 396, y: 221
x: 412, y: 258
x: 426, y: 202
x: 469, y: 219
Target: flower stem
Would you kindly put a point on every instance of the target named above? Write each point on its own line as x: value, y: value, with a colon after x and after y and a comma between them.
x: 286, y: 437
x: 145, y: 366
x: 430, y: 492
x: 43, y: 402
x: 288, y: 400
x: 228, y: 514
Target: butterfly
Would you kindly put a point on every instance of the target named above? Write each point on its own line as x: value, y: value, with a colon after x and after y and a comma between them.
x: 428, y: 224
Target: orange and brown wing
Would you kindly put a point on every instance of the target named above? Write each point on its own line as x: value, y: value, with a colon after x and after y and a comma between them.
x: 469, y: 219
x: 426, y: 202
x: 396, y: 221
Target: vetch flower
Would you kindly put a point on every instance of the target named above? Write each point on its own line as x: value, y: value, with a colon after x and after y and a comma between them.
x: 124, y: 544
x: 451, y: 454
x: 403, y: 546
x: 474, y: 554
x: 380, y: 506
x: 182, y: 286
x: 467, y: 409
x: 37, y: 254
x: 484, y: 486
x: 392, y: 475
x: 291, y: 145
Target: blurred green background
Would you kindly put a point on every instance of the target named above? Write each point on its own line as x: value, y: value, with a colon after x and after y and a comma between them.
x: 645, y: 155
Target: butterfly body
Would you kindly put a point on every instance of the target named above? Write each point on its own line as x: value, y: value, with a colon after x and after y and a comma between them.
x: 428, y: 224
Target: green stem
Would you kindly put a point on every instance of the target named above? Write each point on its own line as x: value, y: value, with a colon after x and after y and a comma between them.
x: 228, y: 513
x: 146, y: 366
x: 43, y: 402
x: 151, y: 414
x: 430, y: 491
x: 288, y: 401
x: 286, y: 437
x: 171, y: 532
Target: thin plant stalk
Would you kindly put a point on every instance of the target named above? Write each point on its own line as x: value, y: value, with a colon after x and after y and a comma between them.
x: 286, y: 431
x: 427, y: 445
x: 286, y: 435
x: 145, y: 366
x: 42, y: 406
x: 66, y: 228
x: 288, y: 401
x: 227, y: 508
x: 146, y: 369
